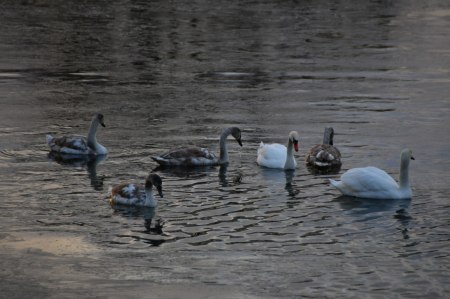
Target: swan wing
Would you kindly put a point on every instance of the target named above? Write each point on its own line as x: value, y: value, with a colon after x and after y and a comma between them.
x: 272, y: 155
x: 368, y: 179
x: 323, y: 155
x: 187, y: 155
x: 128, y: 194
x: 185, y: 152
x: 71, y: 144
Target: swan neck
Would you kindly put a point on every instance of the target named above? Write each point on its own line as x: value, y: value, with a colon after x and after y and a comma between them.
x: 150, y: 200
x: 92, y: 140
x: 223, y: 146
x: 403, y: 178
x: 290, y: 164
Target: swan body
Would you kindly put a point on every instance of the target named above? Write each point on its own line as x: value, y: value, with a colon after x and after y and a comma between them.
x: 78, y: 144
x: 277, y: 155
x: 197, y: 156
x: 324, y: 155
x: 137, y: 195
x: 371, y: 182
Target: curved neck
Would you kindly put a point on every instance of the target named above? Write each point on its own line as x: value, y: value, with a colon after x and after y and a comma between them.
x: 403, y: 177
x: 290, y: 162
x: 150, y: 200
x: 91, y: 139
x: 223, y: 146
x: 328, y: 136
x: 327, y: 139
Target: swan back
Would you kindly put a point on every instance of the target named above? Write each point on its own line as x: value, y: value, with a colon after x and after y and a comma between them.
x: 187, y: 156
x: 137, y: 195
x: 196, y: 156
x: 278, y: 156
x: 325, y: 156
x: 371, y: 182
x: 272, y: 155
x: 78, y: 144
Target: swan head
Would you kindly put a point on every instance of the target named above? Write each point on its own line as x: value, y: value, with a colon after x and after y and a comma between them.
x: 154, y: 180
x: 99, y: 118
x: 236, y: 133
x: 293, y: 137
x: 406, y: 155
x: 328, y: 136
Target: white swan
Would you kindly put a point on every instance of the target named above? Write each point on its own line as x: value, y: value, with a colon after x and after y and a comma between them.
x: 277, y: 155
x: 78, y: 144
x: 324, y: 155
x: 196, y: 156
x: 371, y: 182
x: 137, y: 195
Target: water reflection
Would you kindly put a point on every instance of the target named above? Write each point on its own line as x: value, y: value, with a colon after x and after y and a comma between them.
x: 90, y: 162
x: 148, y: 214
x: 196, y: 173
x: 290, y: 187
x: 371, y: 208
x: 281, y: 177
x: 331, y: 170
x: 225, y: 181
x: 185, y: 172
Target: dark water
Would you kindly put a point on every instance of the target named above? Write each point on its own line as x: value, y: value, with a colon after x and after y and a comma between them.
x: 166, y: 73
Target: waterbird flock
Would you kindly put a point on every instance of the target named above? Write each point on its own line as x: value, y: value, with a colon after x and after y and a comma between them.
x: 367, y: 182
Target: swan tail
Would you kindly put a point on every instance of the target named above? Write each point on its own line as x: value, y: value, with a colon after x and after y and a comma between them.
x: 50, y: 141
x: 342, y: 188
x: 261, y: 145
x: 333, y: 182
x: 159, y: 160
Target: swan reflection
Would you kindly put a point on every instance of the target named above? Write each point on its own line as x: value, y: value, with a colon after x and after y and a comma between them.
x: 185, y: 172
x: 147, y: 213
x: 89, y: 161
x: 330, y: 170
x: 225, y: 181
x: 196, y: 173
x: 281, y: 176
x: 366, y: 209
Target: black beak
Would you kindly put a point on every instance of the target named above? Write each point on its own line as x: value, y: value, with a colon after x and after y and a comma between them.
x: 412, y: 158
x: 103, y: 125
x: 239, y: 141
x: 159, y: 188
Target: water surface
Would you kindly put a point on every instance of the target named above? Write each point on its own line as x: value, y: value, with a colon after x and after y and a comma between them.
x: 167, y: 73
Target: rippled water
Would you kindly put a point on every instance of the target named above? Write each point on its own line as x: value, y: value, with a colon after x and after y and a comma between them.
x: 166, y: 73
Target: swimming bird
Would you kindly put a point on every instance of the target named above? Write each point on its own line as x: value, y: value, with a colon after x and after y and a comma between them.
x: 324, y: 155
x: 371, y: 182
x: 78, y: 144
x: 278, y: 156
x: 137, y: 195
x: 197, y: 156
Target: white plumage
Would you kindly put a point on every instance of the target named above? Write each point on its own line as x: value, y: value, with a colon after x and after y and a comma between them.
x: 278, y: 156
x: 371, y: 182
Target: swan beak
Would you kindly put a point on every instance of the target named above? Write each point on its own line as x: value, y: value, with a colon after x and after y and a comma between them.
x: 103, y: 125
x: 296, y: 145
x: 159, y: 188
x: 239, y: 141
x: 412, y: 158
